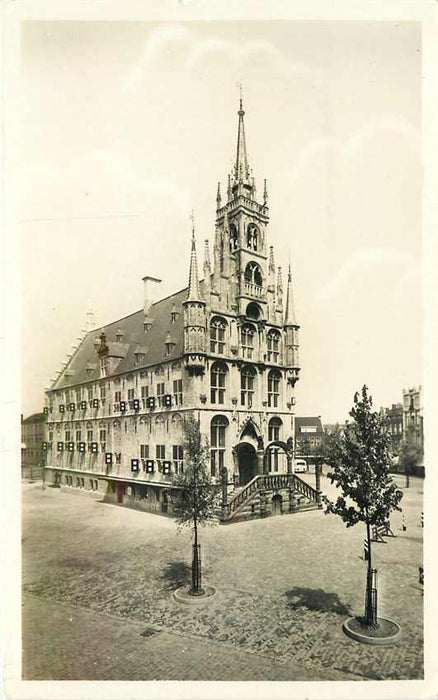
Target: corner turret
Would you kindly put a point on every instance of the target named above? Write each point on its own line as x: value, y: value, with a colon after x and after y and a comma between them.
x: 291, y: 328
x: 195, y: 321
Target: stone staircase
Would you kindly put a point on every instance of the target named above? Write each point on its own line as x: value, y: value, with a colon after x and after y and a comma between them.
x: 254, y: 500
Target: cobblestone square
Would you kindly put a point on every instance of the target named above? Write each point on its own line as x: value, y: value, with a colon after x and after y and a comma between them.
x: 96, y: 576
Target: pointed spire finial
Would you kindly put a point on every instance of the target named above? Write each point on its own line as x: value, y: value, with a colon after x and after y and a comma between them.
x: 194, y: 292
x: 241, y: 168
x: 289, y: 314
x: 218, y: 196
x: 265, y: 194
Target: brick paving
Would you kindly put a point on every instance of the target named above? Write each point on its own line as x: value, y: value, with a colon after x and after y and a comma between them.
x: 75, y: 644
x: 285, y: 585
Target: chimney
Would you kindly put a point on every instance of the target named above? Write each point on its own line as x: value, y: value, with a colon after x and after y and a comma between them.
x: 148, y: 295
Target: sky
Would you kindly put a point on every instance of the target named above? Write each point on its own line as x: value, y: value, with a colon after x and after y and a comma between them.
x: 128, y: 126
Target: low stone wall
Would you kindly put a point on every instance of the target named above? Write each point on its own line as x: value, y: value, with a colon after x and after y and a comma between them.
x: 147, y: 505
x: 75, y: 479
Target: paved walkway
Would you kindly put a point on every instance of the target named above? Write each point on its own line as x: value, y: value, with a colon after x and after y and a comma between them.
x: 285, y: 585
x: 75, y: 644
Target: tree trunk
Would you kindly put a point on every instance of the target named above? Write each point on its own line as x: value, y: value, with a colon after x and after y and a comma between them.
x: 196, y: 564
x: 370, y: 613
x: 407, y: 479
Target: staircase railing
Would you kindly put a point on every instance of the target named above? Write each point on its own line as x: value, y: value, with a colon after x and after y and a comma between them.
x: 242, y: 496
x: 270, y: 482
x: 305, y: 488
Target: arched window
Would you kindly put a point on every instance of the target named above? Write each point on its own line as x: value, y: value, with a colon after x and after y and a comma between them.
x: 176, y: 423
x: 247, y: 380
x: 252, y: 233
x: 159, y: 423
x: 274, y: 429
x: 217, y: 335
x: 274, y: 377
x: 217, y: 382
x: 247, y: 338
x: 145, y: 424
x: 218, y: 428
x: 253, y: 274
x: 234, y: 237
x: 273, y: 346
x: 253, y: 311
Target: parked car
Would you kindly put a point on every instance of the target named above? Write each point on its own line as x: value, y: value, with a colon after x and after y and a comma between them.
x: 300, y: 466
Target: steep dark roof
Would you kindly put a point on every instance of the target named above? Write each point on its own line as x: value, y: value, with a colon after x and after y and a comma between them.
x: 34, y: 418
x: 151, y: 343
x: 301, y: 422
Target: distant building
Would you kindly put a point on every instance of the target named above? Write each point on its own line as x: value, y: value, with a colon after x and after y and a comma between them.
x: 33, y: 436
x: 330, y: 428
x: 413, y: 414
x: 309, y: 434
x: 394, y: 421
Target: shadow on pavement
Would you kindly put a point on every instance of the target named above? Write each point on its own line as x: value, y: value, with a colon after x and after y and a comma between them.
x: 316, y: 599
x: 175, y: 575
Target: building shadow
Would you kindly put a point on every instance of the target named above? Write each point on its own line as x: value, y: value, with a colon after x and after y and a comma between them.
x: 175, y: 575
x: 316, y: 599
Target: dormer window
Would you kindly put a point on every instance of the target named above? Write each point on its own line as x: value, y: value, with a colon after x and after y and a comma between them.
x: 103, y: 366
x: 174, y: 314
x: 119, y: 335
x: 252, y: 233
x: 147, y: 324
x: 170, y: 344
x: 90, y: 367
x: 139, y: 354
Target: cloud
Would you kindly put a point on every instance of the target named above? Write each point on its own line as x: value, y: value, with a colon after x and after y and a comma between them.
x: 355, y: 143
x: 359, y: 265
x: 185, y: 50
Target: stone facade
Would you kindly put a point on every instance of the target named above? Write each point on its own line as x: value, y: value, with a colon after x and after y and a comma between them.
x: 413, y: 414
x: 394, y: 421
x: 224, y: 349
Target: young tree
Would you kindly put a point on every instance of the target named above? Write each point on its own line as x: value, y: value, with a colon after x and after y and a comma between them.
x: 197, y: 493
x: 410, y: 453
x: 359, y: 463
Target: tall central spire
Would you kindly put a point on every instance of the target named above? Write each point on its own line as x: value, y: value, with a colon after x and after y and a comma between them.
x: 241, y: 168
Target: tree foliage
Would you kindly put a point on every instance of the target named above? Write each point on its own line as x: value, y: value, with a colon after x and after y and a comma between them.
x: 359, y: 461
x: 196, y: 492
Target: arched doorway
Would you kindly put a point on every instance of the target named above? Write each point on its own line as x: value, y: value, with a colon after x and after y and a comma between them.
x: 278, y: 458
x: 277, y: 504
x: 247, y: 462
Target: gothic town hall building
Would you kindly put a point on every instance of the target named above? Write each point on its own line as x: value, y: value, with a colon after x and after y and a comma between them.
x: 225, y: 349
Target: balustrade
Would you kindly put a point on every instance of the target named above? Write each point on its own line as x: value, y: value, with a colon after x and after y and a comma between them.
x: 253, y: 290
x: 270, y: 482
